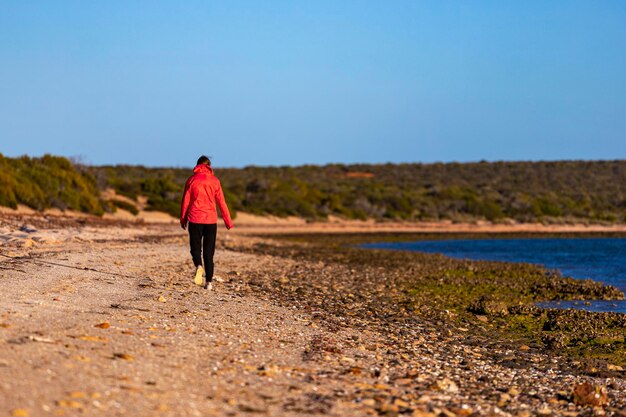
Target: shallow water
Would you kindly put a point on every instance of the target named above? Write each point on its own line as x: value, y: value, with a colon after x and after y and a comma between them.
x: 601, y: 259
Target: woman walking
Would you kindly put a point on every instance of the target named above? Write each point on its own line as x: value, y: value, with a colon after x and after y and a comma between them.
x: 198, y: 214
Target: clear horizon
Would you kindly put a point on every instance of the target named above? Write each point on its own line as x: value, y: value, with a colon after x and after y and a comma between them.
x: 192, y: 163
x: 294, y: 83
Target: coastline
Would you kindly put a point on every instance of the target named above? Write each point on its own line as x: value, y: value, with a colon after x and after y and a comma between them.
x: 256, y: 224
x: 272, y: 225
x: 374, y: 333
x: 485, y: 296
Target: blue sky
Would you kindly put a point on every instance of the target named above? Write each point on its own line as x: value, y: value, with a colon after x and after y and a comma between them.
x: 293, y: 82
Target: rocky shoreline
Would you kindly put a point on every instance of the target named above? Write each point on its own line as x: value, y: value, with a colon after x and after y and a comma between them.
x: 482, y: 294
x: 394, y: 292
x: 298, y: 325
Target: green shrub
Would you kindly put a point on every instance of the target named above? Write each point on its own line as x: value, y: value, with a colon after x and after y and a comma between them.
x: 125, y: 205
x: 526, y: 191
x: 47, y: 182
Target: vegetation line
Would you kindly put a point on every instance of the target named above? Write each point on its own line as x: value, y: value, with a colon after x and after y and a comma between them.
x: 548, y: 192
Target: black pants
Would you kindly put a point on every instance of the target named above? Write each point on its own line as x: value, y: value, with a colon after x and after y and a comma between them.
x: 202, y: 243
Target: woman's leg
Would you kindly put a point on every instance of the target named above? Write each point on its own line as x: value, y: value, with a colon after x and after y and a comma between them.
x: 195, y: 242
x: 208, y: 249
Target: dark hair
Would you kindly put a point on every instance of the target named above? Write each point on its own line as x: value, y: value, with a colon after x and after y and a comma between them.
x: 203, y: 160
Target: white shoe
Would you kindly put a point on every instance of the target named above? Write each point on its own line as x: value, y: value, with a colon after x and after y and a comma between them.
x: 198, y: 278
x: 208, y: 286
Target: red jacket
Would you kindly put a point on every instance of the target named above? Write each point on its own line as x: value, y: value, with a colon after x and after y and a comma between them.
x: 202, y: 191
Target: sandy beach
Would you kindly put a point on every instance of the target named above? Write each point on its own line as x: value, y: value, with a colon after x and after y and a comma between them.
x: 420, y: 209
x: 101, y: 318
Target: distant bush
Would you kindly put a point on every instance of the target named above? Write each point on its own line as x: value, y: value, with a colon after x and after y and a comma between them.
x: 585, y: 191
x: 125, y: 205
x: 523, y: 191
x: 47, y: 182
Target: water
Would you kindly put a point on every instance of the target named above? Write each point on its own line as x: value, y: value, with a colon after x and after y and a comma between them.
x: 601, y: 259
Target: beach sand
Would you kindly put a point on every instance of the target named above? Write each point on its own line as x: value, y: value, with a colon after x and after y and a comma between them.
x: 101, y: 318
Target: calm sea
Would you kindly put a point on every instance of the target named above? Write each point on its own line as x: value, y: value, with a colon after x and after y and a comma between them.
x: 601, y: 259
